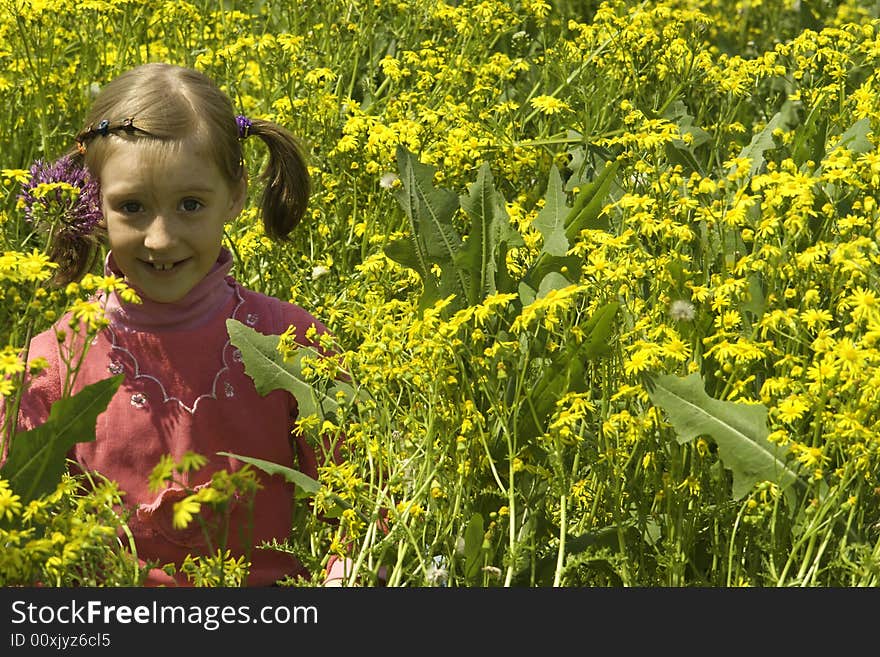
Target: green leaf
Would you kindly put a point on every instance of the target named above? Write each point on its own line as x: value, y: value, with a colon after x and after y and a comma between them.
x: 565, y: 373
x: 678, y: 113
x: 430, y: 211
x: 679, y: 151
x: 266, y: 366
x: 763, y: 141
x: 405, y: 251
x: 855, y: 138
x: 552, y: 281
x: 485, y: 207
x: 756, y: 303
x: 585, y: 213
x: 598, y: 330
x: 809, y: 138
x: 739, y: 430
x: 302, y: 481
x: 587, y: 209
x: 473, y: 546
x: 37, y: 458
x: 551, y: 219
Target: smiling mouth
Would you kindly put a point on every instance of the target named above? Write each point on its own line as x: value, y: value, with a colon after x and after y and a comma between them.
x: 163, y: 266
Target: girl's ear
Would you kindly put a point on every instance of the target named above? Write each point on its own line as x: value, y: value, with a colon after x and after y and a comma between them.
x: 239, y: 196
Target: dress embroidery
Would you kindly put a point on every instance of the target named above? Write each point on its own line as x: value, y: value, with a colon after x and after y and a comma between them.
x: 139, y: 400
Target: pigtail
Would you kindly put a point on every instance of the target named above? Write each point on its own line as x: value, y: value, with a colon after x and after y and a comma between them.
x: 74, y: 259
x: 286, y: 183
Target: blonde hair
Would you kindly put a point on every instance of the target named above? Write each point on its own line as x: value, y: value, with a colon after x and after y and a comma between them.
x: 167, y: 105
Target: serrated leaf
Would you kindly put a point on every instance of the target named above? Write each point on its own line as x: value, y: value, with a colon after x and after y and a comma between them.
x: 585, y: 213
x: 756, y: 302
x: 679, y: 151
x: 404, y: 251
x: 430, y: 211
x: 267, y: 367
x: 302, y: 481
x: 740, y: 431
x: 37, y: 458
x: 550, y: 221
x: 678, y: 113
x: 478, y: 258
x: 809, y: 138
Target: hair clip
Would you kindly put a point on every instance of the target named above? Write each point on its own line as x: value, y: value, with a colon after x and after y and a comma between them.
x: 244, y: 126
x: 104, y: 128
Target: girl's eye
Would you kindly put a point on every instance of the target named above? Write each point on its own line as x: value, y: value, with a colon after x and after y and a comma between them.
x: 130, y: 207
x: 190, y: 204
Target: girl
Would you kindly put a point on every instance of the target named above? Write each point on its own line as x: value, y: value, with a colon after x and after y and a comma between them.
x: 164, y: 146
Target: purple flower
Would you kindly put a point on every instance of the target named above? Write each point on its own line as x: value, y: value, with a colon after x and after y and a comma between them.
x: 71, y: 219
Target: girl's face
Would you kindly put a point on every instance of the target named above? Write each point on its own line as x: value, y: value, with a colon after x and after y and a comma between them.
x: 165, y: 216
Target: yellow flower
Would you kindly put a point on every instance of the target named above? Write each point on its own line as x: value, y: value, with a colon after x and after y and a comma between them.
x: 10, y: 503
x: 89, y: 312
x: 10, y: 363
x: 791, y: 409
x: 813, y: 316
x: 6, y: 387
x: 865, y: 304
x: 21, y: 176
x: 549, y: 105
x: 184, y: 511
x: 639, y: 361
x: 34, y: 266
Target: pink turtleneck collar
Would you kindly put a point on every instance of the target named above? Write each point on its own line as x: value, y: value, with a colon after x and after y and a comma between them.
x: 198, y: 306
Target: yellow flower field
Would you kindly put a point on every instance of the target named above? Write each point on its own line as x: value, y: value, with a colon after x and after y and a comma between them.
x: 647, y: 358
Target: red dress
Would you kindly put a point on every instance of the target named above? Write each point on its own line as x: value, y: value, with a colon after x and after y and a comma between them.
x: 185, y: 389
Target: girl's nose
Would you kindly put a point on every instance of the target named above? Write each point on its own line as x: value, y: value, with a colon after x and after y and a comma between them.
x: 159, y: 234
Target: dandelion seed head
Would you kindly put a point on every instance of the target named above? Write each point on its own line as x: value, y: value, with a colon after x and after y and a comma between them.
x: 436, y: 573
x: 682, y: 311
x: 492, y: 571
x: 388, y: 180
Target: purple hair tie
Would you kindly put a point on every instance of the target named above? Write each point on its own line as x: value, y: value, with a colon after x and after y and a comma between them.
x: 244, y: 126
